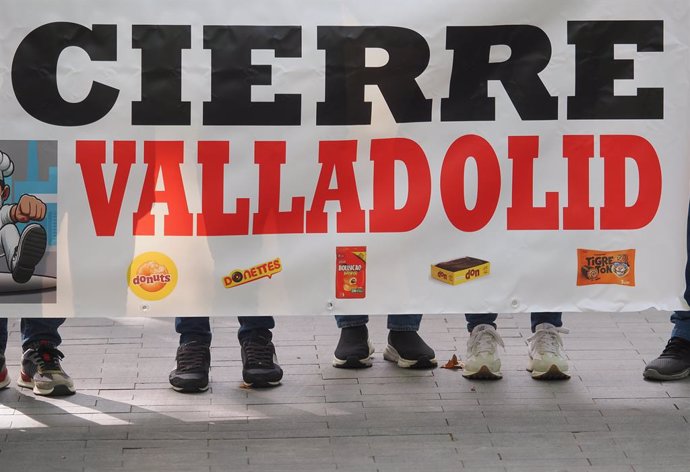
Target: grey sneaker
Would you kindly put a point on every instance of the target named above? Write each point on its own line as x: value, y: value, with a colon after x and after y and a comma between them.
x: 672, y: 364
x: 192, y: 363
x: 41, y: 371
x: 546, y: 362
x: 482, y: 361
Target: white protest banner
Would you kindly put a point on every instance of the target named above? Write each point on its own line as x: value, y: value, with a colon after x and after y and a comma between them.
x: 319, y: 157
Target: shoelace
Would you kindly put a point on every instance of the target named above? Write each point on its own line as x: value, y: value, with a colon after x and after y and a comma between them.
x: 192, y: 358
x: 548, y: 340
x: 259, y: 352
x: 676, y: 348
x: 485, y: 341
x: 48, y: 358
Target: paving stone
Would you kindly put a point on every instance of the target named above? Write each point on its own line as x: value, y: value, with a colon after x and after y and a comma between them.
x: 127, y: 418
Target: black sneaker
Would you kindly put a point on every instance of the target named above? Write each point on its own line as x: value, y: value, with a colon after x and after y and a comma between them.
x: 4, y: 376
x: 193, y: 363
x: 29, y: 251
x: 259, y: 362
x: 41, y: 371
x: 672, y: 364
x: 354, y: 349
x: 409, y: 350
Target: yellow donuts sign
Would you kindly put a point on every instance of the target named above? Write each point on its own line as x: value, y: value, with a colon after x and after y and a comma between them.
x: 152, y: 276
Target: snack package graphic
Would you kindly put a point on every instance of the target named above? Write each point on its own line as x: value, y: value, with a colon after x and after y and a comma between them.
x: 606, y: 267
x: 350, y: 271
x: 460, y: 270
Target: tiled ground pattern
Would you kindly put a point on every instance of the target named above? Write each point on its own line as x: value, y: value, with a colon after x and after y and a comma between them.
x: 125, y: 417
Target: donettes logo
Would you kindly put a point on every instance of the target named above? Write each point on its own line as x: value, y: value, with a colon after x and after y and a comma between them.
x: 251, y: 274
x: 152, y: 276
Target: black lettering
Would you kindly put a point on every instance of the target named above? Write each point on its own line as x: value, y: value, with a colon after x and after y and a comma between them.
x: 596, y: 69
x: 346, y: 74
x: 530, y: 52
x: 233, y: 74
x: 161, y: 74
x: 34, y: 73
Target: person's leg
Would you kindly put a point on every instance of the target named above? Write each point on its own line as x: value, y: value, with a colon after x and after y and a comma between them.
x: 34, y: 330
x: 194, y: 328
x: 551, y: 317
x: 681, y: 325
x: 259, y: 361
x: 546, y: 361
x: 404, y: 322
x: 193, y: 357
x: 251, y: 325
x: 405, y: 347
x: 354, y: 348
x: 476, y: 319
x: 674, y: 361
x: 4, y: 377
x: 482, y: 361
x: 350, y: 321
x: 3, y: 335
x: 41, y: 369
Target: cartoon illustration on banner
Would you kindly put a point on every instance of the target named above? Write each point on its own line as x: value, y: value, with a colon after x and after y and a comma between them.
x: 28, y: 177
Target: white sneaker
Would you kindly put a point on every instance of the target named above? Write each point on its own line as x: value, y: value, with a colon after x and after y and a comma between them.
x: 481, y: 361
x: 545, y: 359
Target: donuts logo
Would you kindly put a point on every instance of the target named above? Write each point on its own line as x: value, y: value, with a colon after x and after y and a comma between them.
x: 152, y: 276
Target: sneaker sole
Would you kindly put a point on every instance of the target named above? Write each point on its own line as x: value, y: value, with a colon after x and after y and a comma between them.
x: 392, y: 355
x: 554, y: 373
x: 484, y: 373
x: 656, y: 375
x: 57, y: 391
x: 354, y: 362
x: 33, y: 245
x: 262, y: 385
x: 189, y: 390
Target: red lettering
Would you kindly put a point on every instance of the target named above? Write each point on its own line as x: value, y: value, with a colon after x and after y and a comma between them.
x: 90, y: 155
x: 578, y: 150
x: 270, y: 155
x: 385, y: 217
x: 213, y: 221
x: 163, y: 159
x: 523, y: 150
x: 615, y: 149
x: 336, y: 157
x: 453, y: 182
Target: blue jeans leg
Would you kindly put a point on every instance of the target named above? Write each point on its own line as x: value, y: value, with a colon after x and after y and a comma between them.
x: 249, y: 324
x: 553, y: 317
x: 349, y: 321
x: 475, y: 319
x: 192, y: 328
x: 395, y: 322
x: 681, y: 324
x: 3, y: 335
x: 404, y: 322
x: 681, y: 319
x: 40, y: 329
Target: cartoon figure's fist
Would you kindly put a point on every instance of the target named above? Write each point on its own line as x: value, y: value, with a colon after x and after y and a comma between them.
x: 29, y: 208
